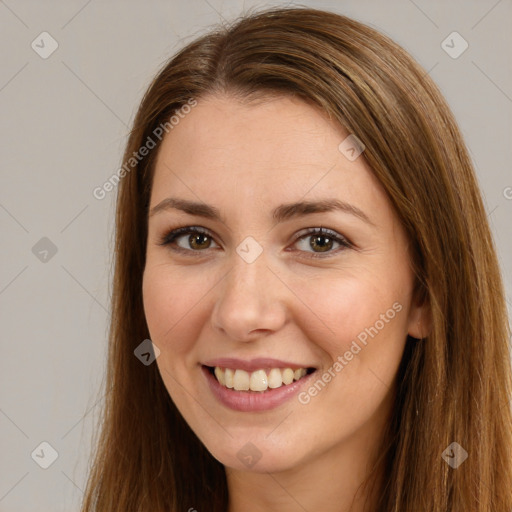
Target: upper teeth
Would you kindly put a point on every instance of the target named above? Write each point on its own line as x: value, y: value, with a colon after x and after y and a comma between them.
x: 259, y: 380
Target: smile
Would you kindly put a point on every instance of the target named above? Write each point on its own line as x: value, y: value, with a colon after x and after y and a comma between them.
x: 254, y: 388
x: 259, y: 380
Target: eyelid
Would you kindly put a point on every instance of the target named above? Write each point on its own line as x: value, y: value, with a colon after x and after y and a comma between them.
x: 340, y: 239
x: 171, y: 235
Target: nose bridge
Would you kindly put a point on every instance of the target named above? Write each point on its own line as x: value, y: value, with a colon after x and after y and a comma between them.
x: 250, y: 271
x: 248, y: 299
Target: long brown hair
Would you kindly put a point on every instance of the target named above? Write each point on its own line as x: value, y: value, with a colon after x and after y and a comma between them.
x: 453, y: 386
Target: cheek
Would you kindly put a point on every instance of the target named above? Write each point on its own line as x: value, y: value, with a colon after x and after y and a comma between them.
x: 360, y: 326
x: 358, y: 322
x: 351, y: 307
x: 172, y: 306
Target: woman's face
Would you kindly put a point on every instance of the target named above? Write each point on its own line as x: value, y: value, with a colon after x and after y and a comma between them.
x: 263, y: 296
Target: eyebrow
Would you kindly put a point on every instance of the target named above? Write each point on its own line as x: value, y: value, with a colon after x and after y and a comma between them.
x: 280, y: 214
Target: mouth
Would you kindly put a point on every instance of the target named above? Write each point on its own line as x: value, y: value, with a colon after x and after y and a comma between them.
x: 258, y: 381
x: 258, y: 390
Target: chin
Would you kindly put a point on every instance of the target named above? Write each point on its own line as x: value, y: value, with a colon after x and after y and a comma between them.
x: 257, y: 455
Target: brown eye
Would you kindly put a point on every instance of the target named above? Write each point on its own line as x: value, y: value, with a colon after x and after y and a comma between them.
x: 188, y: 239
x: 199, y: 241
x: 193, y: 240
x: 322, y: 242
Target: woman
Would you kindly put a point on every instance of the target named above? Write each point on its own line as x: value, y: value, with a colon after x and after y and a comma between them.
x: 301, y: 235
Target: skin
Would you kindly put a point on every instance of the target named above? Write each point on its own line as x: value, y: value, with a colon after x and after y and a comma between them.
x: 246, y: 159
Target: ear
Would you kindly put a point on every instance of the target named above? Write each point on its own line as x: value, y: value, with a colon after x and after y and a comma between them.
x: 420, y: 318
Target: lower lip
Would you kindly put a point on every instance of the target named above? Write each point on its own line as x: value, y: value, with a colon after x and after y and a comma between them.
x: 251, y: 401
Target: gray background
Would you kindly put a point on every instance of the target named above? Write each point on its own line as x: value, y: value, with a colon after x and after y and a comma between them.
x: 64, y: 125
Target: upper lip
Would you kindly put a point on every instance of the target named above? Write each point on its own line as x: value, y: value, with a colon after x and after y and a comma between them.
x: 253, y: 364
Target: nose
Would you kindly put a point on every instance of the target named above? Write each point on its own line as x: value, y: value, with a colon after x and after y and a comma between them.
x: 250, y: 301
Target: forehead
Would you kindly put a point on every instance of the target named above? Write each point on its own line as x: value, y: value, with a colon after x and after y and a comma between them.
x: 273, y: 151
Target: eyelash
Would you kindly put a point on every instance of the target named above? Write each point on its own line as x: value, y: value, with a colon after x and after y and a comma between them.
x: 170, y: 237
